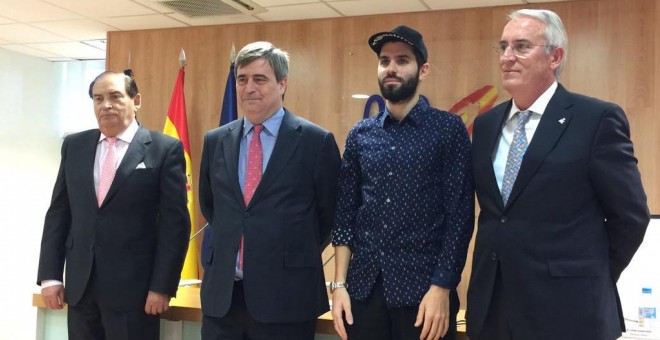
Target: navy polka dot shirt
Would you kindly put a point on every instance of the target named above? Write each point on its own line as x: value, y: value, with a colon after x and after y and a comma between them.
x: 406, y: 203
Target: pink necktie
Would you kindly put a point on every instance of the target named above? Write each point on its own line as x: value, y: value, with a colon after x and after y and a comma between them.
x: 253, y: 173
x: 107, y: 170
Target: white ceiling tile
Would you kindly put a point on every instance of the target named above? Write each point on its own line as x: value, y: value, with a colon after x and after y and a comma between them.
x: 22, y: 34
x: 29, y: 51
x: 84, y: 29
x: 103, y: 9
x: 142, y: 22
x: 73, y: 50
x: 272, y: 3
x: 453, y: 4
x: 368, y: 7
x: 298, y: 12
x: 35, y: 11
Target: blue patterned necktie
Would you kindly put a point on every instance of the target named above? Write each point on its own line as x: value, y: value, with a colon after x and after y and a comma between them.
x: 516, y: 153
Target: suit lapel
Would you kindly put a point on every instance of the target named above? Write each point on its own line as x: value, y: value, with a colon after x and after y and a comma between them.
x: 554, y: 122
x: 491, y: 138
x: 87, y: 166
x: 231, y: 143
x: 134, y: 155
x: 287, y: 142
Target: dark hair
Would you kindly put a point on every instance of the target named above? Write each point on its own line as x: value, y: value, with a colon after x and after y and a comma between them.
x: 131, y: 86
x: 277, y: 58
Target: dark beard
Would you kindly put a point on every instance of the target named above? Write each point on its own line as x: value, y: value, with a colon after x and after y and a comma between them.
x: 401, y: 94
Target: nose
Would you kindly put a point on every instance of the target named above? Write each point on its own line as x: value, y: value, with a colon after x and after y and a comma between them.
x: 250, y: 86
x: 106, y: 104
x: 391, y: 68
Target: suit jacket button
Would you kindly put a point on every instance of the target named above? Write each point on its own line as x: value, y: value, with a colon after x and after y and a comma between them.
x: 503, y: 219
x: 246, y: 214
x: 493, y: 256
x: 91, y: 247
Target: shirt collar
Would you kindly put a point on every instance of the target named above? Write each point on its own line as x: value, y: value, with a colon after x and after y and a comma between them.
x: 271, y: 125
x: 413, y: 117
x: 126, y: 135
x: 539, y: 105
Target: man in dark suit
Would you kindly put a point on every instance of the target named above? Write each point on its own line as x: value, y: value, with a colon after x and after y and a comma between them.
x: 118, y: 220
x: 268, y: 189
x: 559, y: 225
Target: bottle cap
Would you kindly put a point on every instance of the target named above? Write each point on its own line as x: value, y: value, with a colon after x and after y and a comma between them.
x: 646, y: 290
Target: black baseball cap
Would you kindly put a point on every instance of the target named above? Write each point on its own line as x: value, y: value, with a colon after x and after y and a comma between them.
x: 401, y: 33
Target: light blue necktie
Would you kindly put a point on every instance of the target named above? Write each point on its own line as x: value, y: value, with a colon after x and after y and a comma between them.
x: 516, y: 153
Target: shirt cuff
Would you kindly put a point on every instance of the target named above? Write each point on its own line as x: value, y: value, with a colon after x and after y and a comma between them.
x: 445, y: 279
x: 50, y: 283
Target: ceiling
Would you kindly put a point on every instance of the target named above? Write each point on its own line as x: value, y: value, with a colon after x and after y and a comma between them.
x: 63, y: 30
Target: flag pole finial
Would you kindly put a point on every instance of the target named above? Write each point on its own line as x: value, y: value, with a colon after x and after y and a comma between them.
x: 232, y: 54
x: 182, y: 58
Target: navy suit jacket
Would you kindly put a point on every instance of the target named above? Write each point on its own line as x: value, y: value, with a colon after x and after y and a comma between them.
x: 136, y: 240
x: 285, y: 225
x: 576, y: 215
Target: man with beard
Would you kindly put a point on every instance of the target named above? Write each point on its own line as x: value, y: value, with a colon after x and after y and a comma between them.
x: 405, y: 209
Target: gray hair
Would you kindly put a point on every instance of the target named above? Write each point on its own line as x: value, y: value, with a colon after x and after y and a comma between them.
x: 277, y: 58
x: 555, y: 34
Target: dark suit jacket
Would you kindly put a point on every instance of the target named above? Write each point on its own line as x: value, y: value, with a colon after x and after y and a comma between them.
x: 575, y: 217
x: 137, y: 240
x: 286, y: 224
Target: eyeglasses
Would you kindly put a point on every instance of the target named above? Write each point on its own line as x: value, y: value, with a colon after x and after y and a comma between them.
x: 520, y: 48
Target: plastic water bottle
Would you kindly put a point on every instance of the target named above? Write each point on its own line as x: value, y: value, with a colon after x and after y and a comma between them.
x: 646, y: 310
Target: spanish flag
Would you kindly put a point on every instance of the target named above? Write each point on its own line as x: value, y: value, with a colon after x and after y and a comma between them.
x: 176, y: 126
x: 480, y: 101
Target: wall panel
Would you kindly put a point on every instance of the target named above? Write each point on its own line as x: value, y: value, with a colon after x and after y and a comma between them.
x: 614, y: 53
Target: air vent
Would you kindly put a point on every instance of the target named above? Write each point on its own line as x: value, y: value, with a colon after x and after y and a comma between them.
x: 209, y: 8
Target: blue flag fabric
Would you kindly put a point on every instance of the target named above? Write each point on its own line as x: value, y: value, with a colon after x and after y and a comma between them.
x: 228, y: 114
x: 229, y: 110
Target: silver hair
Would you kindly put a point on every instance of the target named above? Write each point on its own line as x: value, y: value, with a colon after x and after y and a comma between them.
x: 555, y: 34
x: 277, y: 58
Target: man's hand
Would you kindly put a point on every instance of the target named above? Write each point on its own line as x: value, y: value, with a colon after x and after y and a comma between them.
x: 341, y: 303
x: 157, y: 303
x: 434, y: 313
x: 53, y: 296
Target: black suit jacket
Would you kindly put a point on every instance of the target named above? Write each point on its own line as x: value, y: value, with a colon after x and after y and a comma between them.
x: 575, y: 217
x: 286, y: 224
x: 137, y: 240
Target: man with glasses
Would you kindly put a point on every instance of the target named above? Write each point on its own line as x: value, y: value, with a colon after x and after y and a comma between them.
x: 563, y: 209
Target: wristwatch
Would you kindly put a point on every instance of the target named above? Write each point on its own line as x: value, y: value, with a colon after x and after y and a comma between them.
x: 335, y: 285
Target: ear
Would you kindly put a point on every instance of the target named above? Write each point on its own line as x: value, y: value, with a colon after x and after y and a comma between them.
x: 282, y: 85
x: 557, y: 56
x: 424, y: 70
x: 137, y: 101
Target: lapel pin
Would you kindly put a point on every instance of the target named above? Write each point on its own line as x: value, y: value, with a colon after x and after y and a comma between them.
x: 562, y: 121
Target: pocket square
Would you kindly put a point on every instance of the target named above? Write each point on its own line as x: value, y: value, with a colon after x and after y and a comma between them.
x: 141, y: 166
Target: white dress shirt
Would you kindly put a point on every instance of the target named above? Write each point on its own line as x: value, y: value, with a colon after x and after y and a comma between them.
x: 501, y: 151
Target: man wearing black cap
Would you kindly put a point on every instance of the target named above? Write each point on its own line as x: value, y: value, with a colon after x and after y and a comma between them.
x: 405, y: 208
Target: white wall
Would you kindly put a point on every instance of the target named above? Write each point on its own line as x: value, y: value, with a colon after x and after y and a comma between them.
x: 32, y: 105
